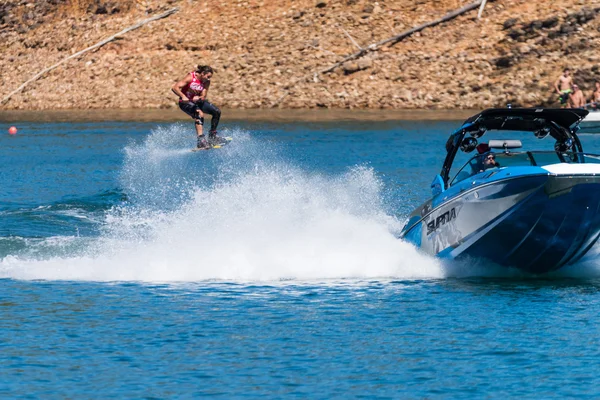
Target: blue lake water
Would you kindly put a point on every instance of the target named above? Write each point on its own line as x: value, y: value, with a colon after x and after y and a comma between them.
x: 131, y: 267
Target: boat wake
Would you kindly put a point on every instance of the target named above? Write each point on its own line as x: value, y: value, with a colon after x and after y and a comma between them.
x: 239, y: 213
x: 243, y: 213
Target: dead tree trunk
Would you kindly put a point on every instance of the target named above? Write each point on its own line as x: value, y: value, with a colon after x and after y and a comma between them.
x: 391, y: 41
x: 395, y: 39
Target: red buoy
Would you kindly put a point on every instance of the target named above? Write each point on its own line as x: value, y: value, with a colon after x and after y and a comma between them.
x: 12, y: 130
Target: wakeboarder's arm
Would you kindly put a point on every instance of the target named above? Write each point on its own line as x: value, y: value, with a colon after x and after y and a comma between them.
x: 176, y: 88
x: 556, y: 85
x: 205, y: 91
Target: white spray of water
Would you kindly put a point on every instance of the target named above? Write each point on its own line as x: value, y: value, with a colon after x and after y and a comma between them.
x: 244, y: 214
x: 237, y: 214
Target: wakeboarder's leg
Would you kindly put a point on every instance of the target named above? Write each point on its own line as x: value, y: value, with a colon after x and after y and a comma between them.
x: 199, y: 121
x: 215, y: 113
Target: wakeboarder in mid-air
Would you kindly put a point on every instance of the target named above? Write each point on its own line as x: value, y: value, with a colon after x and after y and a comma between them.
x: 192, y: 90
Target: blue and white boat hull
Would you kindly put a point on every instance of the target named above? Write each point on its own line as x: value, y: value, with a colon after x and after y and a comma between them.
x: 537, y: 221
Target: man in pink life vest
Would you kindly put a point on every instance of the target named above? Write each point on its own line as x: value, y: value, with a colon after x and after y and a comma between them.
x: 192, y: 100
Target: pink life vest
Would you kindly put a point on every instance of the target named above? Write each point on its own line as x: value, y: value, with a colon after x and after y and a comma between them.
x: 194, y: 88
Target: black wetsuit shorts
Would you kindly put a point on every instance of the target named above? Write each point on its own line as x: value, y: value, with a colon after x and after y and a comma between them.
x: 191, y: 109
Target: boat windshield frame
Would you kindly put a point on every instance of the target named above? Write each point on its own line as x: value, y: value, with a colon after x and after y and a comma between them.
x: 561, y: 124
x: 533, y: 158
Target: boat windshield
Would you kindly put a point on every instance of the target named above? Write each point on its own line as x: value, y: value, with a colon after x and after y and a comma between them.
x: 478, y: 163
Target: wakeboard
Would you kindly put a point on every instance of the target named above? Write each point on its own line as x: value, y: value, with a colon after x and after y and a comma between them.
x: 216, y: 146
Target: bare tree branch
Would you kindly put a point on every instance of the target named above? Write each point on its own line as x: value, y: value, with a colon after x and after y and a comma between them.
x: 397, y: 38
x: 351, y: 39
x: 481, y: 9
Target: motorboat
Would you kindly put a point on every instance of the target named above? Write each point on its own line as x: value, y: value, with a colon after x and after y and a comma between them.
x: 515, y: 205
x: 591, y: 123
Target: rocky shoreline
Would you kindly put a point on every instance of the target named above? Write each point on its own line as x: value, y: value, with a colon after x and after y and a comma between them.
x: 270, y: 55
x: 233, y: 115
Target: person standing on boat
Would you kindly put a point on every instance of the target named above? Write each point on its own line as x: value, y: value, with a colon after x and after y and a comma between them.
x: 563, y: 86
x: 577, y: 98
x: 192, y: 92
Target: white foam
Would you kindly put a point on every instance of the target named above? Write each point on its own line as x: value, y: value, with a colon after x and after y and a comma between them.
x: 243, y: 214
x: 256, y: 218
x: 264, y: 226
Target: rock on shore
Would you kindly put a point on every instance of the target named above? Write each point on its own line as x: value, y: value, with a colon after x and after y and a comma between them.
x: 269, y: 53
